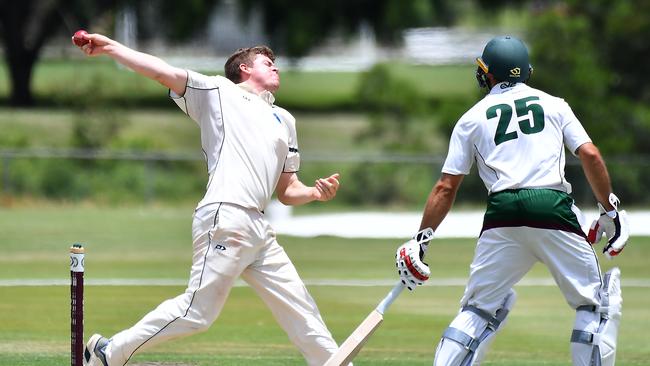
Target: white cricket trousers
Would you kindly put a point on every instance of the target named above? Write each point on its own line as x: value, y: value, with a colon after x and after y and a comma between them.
x: 230, y: 241
x: 503, y: 256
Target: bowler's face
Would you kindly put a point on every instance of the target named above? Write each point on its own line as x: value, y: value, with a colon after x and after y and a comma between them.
x: 265, y: 73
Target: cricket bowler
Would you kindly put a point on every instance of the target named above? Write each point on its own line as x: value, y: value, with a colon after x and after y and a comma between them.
x: 251, y: 150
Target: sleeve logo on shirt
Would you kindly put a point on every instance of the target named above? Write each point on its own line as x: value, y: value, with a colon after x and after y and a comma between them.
x: 277, y: 117
x: 219, y: 247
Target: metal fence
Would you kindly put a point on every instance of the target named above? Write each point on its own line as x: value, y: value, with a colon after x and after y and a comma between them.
x: 378, y: 178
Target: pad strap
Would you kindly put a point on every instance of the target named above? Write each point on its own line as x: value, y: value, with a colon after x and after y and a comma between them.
x: 579, y: 336
x: 483, y: 314
x: 589, y: 308
x: 476, y: 346
x: 603, y: 310
x: 493, y: 321
x: 470, y: 344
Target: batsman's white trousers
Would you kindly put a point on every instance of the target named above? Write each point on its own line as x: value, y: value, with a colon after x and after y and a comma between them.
x: 504, y: 255
x: 230, y: 241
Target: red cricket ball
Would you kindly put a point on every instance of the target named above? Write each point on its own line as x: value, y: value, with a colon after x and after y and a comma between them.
x: 78, y: 38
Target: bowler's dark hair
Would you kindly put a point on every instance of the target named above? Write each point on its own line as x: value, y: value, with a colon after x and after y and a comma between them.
x: 244, y: 56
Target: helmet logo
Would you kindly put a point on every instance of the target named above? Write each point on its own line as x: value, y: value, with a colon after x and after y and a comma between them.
x: 515, y: 73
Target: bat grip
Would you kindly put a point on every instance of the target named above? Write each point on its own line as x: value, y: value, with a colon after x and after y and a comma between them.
x: 422, y: 237
x: 392, y: 295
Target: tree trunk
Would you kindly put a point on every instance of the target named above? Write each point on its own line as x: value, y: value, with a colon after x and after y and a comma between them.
x: 25, y: 26
x: 20, y: 50
x: 21, y: 66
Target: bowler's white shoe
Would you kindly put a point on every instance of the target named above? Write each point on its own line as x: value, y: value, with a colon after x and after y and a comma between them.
x: 94, y: 352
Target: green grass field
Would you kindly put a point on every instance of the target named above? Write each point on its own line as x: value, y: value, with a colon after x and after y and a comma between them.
x: 153, y: 243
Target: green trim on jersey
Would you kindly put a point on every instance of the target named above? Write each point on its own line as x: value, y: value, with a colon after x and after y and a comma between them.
x: 538, y: 208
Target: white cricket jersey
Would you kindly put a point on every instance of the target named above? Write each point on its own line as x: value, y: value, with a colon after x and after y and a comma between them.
x: 517, y: 136
x: 247, y: 142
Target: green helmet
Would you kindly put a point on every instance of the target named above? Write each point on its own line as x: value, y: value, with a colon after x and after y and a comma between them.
x: 506, y: 58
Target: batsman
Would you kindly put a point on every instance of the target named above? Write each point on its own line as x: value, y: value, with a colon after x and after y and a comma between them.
x: 518, y: 136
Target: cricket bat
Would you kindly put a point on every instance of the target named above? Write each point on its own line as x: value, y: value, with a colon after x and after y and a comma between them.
x: 360, y: 336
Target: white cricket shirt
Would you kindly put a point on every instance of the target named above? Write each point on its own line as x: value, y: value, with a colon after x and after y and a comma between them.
x: 247, y: 142
x: 517, y: 136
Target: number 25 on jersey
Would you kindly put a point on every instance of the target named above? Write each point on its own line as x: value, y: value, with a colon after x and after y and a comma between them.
x: 523, y: 109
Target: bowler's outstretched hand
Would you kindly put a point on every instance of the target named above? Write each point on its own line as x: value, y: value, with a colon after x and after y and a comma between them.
x: 93, y: 44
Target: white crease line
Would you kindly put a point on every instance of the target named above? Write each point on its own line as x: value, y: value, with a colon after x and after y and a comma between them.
x: 445, y: 282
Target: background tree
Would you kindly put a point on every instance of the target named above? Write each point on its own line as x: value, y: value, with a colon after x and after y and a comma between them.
x: 298, y: 26
x: 593, y: 55
x: 27, y: 25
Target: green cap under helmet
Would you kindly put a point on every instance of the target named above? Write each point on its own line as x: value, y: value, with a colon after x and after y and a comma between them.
x: 506, y: 58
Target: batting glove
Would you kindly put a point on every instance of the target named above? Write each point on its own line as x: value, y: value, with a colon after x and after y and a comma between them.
x: 408, y: 259
x: 614, y: 225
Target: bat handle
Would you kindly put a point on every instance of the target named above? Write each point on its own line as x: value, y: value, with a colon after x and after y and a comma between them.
x: 392, y: 295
